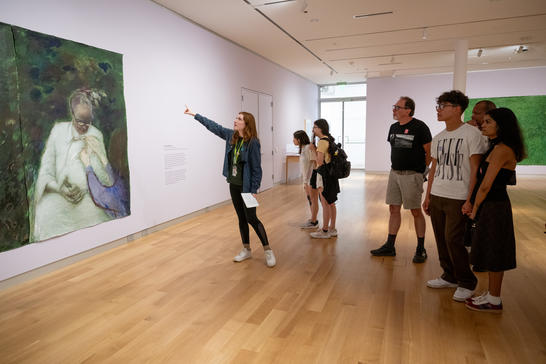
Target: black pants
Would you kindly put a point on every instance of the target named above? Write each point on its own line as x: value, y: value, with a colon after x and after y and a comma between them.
x: 246, y: 216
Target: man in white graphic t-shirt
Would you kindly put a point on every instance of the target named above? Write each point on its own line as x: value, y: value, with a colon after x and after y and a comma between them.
x: 456, y: 154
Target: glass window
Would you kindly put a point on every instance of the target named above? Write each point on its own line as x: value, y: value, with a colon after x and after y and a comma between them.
x: 343, y: 91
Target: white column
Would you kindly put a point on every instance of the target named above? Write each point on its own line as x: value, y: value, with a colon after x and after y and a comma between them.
x: 459, y: 72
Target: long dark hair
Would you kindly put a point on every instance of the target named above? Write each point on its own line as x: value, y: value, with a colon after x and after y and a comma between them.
x: 302, y: 138
x: 508, y: 131
x: 322, y: 124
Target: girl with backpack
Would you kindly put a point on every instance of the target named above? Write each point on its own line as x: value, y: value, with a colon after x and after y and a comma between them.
x: 308, y: 159
x: 322, y: 180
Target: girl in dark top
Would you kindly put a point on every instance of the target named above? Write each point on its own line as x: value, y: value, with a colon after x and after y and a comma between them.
x: 493, y: 241
x: 243, y: 171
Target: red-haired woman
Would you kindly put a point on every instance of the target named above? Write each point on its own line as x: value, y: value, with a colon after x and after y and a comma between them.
x: 243, y: 171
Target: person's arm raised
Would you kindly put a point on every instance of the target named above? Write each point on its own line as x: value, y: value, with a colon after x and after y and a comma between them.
x: 212, y: 126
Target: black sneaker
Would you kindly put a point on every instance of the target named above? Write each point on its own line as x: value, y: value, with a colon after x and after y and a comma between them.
x: 384, y: 251
x: 420, y: 255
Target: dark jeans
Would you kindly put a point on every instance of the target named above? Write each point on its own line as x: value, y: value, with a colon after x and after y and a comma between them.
x: 246, y: 216
x: 448, y: 224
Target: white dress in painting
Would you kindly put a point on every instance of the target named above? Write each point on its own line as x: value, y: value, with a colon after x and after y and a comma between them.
x: 54, y: 214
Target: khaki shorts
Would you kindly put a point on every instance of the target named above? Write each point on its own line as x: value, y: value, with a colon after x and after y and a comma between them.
x: 405, y: 187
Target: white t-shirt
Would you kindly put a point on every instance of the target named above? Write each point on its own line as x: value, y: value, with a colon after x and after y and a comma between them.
x: 306, y: 162
x: 452, y: 150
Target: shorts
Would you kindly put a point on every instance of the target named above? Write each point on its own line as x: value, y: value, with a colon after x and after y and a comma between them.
x: 316, y: 180
x: 405, y: 187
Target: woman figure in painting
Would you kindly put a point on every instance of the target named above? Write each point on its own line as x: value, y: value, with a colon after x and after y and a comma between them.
x: 243, y: 171
x: 308, y: 159
x: 62, y: 199
x: 493, y: 242
x: 326, y: 184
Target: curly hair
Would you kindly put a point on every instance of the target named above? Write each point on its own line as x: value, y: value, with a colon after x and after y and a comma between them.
x: 454, y: 97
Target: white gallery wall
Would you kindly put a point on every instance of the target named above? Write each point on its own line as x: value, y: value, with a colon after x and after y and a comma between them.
x: 384, y: 92
x: 168, y: 62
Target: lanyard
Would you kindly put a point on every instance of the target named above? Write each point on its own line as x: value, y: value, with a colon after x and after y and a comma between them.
x: 236, y: 151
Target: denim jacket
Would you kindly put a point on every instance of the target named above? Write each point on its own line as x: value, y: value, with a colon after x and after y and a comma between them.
x: 250, y: 155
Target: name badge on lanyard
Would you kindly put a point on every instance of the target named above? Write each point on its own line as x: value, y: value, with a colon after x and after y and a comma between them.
x: 236, y: 152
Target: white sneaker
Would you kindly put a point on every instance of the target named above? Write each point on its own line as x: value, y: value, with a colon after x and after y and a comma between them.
x: 333, y: 232
x: 440, y: 283
x: 270, y: 260
x: 309, y: 225
x: 243, y: 255
x: 480, y: 298
x: 320, y: 234
x: 462, y: 294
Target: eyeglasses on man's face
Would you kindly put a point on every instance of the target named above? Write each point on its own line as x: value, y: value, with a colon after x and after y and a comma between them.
x: 396, y: 107
x: 442, y: 106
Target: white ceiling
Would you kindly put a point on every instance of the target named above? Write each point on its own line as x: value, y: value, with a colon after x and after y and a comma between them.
x: 323, y: 42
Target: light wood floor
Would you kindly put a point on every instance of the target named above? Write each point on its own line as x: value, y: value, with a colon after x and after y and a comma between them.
x: 175, y: 296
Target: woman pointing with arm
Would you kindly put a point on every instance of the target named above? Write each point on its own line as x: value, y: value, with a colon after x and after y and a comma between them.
x: 243, y: 171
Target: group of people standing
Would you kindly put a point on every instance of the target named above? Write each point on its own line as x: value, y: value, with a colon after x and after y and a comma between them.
x: 470, y: 166
x: 317, y: 181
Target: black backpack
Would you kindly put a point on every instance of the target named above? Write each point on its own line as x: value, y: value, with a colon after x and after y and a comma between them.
x: 340, y: 167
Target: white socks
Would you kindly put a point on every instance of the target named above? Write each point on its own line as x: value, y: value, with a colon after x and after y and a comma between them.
x: 493, y: 299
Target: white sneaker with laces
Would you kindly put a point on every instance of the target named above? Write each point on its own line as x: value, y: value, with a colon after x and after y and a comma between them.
x: 461, y: 294
x: 333, y: 232
x: 440, y: 283
x: 480, y: 297
x: 270, y: 260
x: 243, y: 255
x: 320, y: 234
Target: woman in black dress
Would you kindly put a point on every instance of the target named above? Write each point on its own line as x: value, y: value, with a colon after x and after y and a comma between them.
x: 493, y: 242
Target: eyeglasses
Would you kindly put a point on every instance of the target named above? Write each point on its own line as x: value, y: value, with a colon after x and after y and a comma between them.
x: 83, y: 122
x: 396, y: 107
x: 443, y: 106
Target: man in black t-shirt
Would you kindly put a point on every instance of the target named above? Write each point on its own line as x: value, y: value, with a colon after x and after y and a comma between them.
x: 410, y: 155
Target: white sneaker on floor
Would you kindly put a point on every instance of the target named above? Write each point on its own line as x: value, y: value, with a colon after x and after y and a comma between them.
x: 333, y: 232
x: 440, y: 283
x: 243, y: 255
x: 480, y: 298
x: 462, y: 294
x: 320, y: 234
x: 270, y: 260
x: 309, y: 225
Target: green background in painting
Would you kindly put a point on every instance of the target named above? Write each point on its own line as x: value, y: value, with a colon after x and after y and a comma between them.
x: 531, y: 114
x: 14, y: 226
